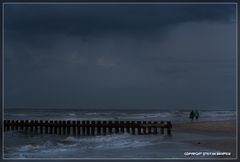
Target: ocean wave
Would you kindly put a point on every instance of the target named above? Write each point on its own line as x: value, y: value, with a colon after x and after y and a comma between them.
x: 219, y: 114
x: 114, y: 141
x: 94, y: 113
x: 70, y: 144
x: 32, y: 147
x: 71, y: 114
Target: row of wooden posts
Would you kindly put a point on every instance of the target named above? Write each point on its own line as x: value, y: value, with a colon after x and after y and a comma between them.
x: 88, y: 127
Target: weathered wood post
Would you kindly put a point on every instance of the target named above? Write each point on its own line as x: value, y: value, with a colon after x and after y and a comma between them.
x: 5, y: 125
x: 122, y: 126
x: 51, y: 127
x: 93, y: 128
x: 116, y: 126
x: 60, y: 124
x: 133, y: 126
x: 110, y: 127
x: 149, y: 127
x: 11, y: 125
x: 83, y: 127
x: 139, y: 127
x: 26, y: 125
x: 21, y: 124
x: 169, y: 126
x: 8, y: 125
x: 35, y: 126
x: 104, y: 127
x: 55, y: 126
x: 16, y: 125
x: 78, y: 127
x: 88, y: 127
x: 71, y: 127
x: 41, y: 127
x: 68, y: 127
x: 46, y: 126
x: 128, y: 126
x: 162, y: 127
x: 31, y: 125
x: 74, y: 128
x: 64, y: 127
x: 155, y: 131
x: 98, y: 127
x: 144, y: 127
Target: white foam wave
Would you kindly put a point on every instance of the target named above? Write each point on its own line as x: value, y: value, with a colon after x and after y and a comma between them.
x: 71, y: 114
x: 31, y: 147
x: 114, y: 141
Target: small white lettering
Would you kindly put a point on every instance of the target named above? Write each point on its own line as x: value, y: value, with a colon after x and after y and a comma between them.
x: 207, y: 153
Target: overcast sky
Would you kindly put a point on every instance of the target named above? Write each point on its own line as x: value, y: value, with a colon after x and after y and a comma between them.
x: 120, y: 56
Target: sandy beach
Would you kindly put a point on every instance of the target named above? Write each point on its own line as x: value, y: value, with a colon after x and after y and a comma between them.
x: 224, y: 133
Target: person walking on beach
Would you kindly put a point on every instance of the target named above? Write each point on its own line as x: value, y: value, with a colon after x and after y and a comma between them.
x: 191, y: 115
x: 196, y: 114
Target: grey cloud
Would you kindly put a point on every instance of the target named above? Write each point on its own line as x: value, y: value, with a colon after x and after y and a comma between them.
x: 95, y: 19
x: 120, y: 56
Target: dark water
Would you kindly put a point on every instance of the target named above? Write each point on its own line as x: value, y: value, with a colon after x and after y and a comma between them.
x: 154, y: 115
x: 22, y: 145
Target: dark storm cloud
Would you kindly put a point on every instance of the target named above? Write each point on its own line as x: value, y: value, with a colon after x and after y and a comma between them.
x: 120, y: 56
x: 94, y: 19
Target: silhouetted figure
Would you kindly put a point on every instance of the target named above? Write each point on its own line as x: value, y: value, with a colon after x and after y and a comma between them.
x: 191, y: 115
x: 196, y: 114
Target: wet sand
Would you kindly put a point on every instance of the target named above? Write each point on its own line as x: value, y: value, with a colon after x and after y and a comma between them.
x: 224, y: 133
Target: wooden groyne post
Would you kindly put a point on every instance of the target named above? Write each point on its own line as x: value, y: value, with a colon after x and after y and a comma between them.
x: 75, y: 128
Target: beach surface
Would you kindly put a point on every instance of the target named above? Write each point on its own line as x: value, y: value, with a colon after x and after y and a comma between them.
x: 222, y: 134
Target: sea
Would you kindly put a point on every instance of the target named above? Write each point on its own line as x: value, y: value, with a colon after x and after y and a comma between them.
x: 22, y: 145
